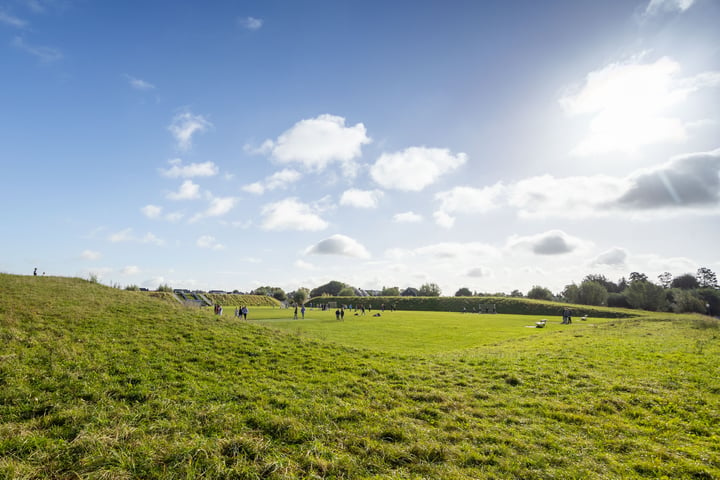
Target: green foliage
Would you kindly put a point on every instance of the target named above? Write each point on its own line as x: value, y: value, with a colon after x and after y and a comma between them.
x: 686, y: 281
x: 276, y: 292
x: 592, y: 293
x: 685, y: 301
x: 646, y: 296
x: 463, y: 292
x: 571, y: 293
x: 410, y: 292
x: 165, y: 288
x: 234, y: 300
x: 390, y: 292
x: 300, y: 296
x: 540, y: 293
x: 429, y: 290
x: 617, y: 300
x: 331, y: 288
x: 132, y: 288
x: 706, y: 278
x: 346, y: 292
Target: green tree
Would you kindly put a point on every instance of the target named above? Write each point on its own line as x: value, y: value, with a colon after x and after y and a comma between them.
x: 429, y: 290
x: 665, y: 279
x: 609, y: 285
x: 410, y: 292
x: 516, y: 293
x: 463, y: 292
x: 331, y: 288
x: 571, y: 293
x: 390, y: 292
x: 706, y: 278
x: 346, y: 292
x: 683, y: 301
x: 540, y: 293
x: 686, y: 281
x: 300, y: 296
x: 645, y: 295
x: 592, y: 293
x: 638, y: 277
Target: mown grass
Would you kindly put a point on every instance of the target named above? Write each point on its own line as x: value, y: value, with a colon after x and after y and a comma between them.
x: 100, y: 383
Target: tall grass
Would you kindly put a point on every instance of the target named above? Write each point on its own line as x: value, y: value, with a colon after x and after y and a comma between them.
x: 103, y: 383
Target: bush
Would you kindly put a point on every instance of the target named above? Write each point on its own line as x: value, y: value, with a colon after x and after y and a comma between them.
x: 617, y: 300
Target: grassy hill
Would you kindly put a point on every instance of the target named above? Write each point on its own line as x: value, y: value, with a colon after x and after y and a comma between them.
x: 101, y: 383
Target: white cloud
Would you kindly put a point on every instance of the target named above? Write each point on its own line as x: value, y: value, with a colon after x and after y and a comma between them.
x: 688, y: 181
x: 573, y: 197
x: 208, y: 241
x: 304, y: 265
x: 553, y: 242
x: 629, y: 104
x: 443, y: 219
x: 250, y: 23
x: 90, y: 255
x: 220, y: 206
x: 278, y: 180
x: 446, y: 251
x: 291, y: 214
x: 128, y: 236
x: 185, y: 125
x: 139, y: 84
x: 130, y: 270
x: 44, y: 54
x: 614, y: 257
x: 466, y: 200
x: 10, y: 20
x: 407, y: 217
x: 414, y: 168
x: 178, y: 170
x: 479, y: 272
x: 152, y: 211
x: 339, y: 245
x: 317, y: 142
x: 658, y: 6
x: 187, y: 191
x: 361, y: 198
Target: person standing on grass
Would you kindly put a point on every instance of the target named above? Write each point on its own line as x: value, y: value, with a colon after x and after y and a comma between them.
x: 35, y: 272
x: 342, y: 314
x: 302, y: 311
x: 295, y: 317
x: 244, y: 312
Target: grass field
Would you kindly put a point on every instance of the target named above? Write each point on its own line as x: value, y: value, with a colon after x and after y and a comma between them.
x: 101, y: 383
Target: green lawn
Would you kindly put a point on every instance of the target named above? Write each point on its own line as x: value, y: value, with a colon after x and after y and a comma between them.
x: 101, y: 383
x: 419, y: 333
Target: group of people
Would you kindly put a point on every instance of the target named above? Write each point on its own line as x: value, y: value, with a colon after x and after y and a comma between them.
x: 302, y: 312
x: 567, y: 317
x: 241, y: 312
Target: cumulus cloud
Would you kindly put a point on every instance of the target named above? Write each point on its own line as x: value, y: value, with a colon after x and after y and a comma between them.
x: 185, y: 125
x: 553, y: 242
x: 278, y: 180
x: 129, y: 236
x: 178, y: 170
x: 574, y: 197
x: 687, y: 181
x: 414, y: 168
x: 479, y: 272
x: 220, y: 206
x: 407, y: 217
x: 291, y: 214
x: 339, y: 245
x: 90, y: 255
x: 466, y: 200
x: 659, y: 6
x: 187, y: 191
x: 317, y: 142
x: 614, y: 257
x: 629, y: 104
x: 139, y: 84
x: 152, y: 211
x: 130, y: 270
x: 361, y: 198
x: 250, y: 23
x: 208, y: 241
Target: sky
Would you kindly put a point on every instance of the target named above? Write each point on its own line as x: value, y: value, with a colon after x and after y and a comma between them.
x: 491, y: 145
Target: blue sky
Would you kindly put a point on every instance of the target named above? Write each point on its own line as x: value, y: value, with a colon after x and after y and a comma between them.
x: 488, y: 145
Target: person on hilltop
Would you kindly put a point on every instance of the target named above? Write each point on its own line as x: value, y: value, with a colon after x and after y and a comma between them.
x: 35, y: 272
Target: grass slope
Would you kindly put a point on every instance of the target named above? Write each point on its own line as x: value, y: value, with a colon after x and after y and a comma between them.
x: 101, y: 383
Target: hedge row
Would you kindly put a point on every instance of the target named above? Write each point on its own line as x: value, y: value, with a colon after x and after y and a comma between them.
x: 240, y: 300
x: 506, y: 305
